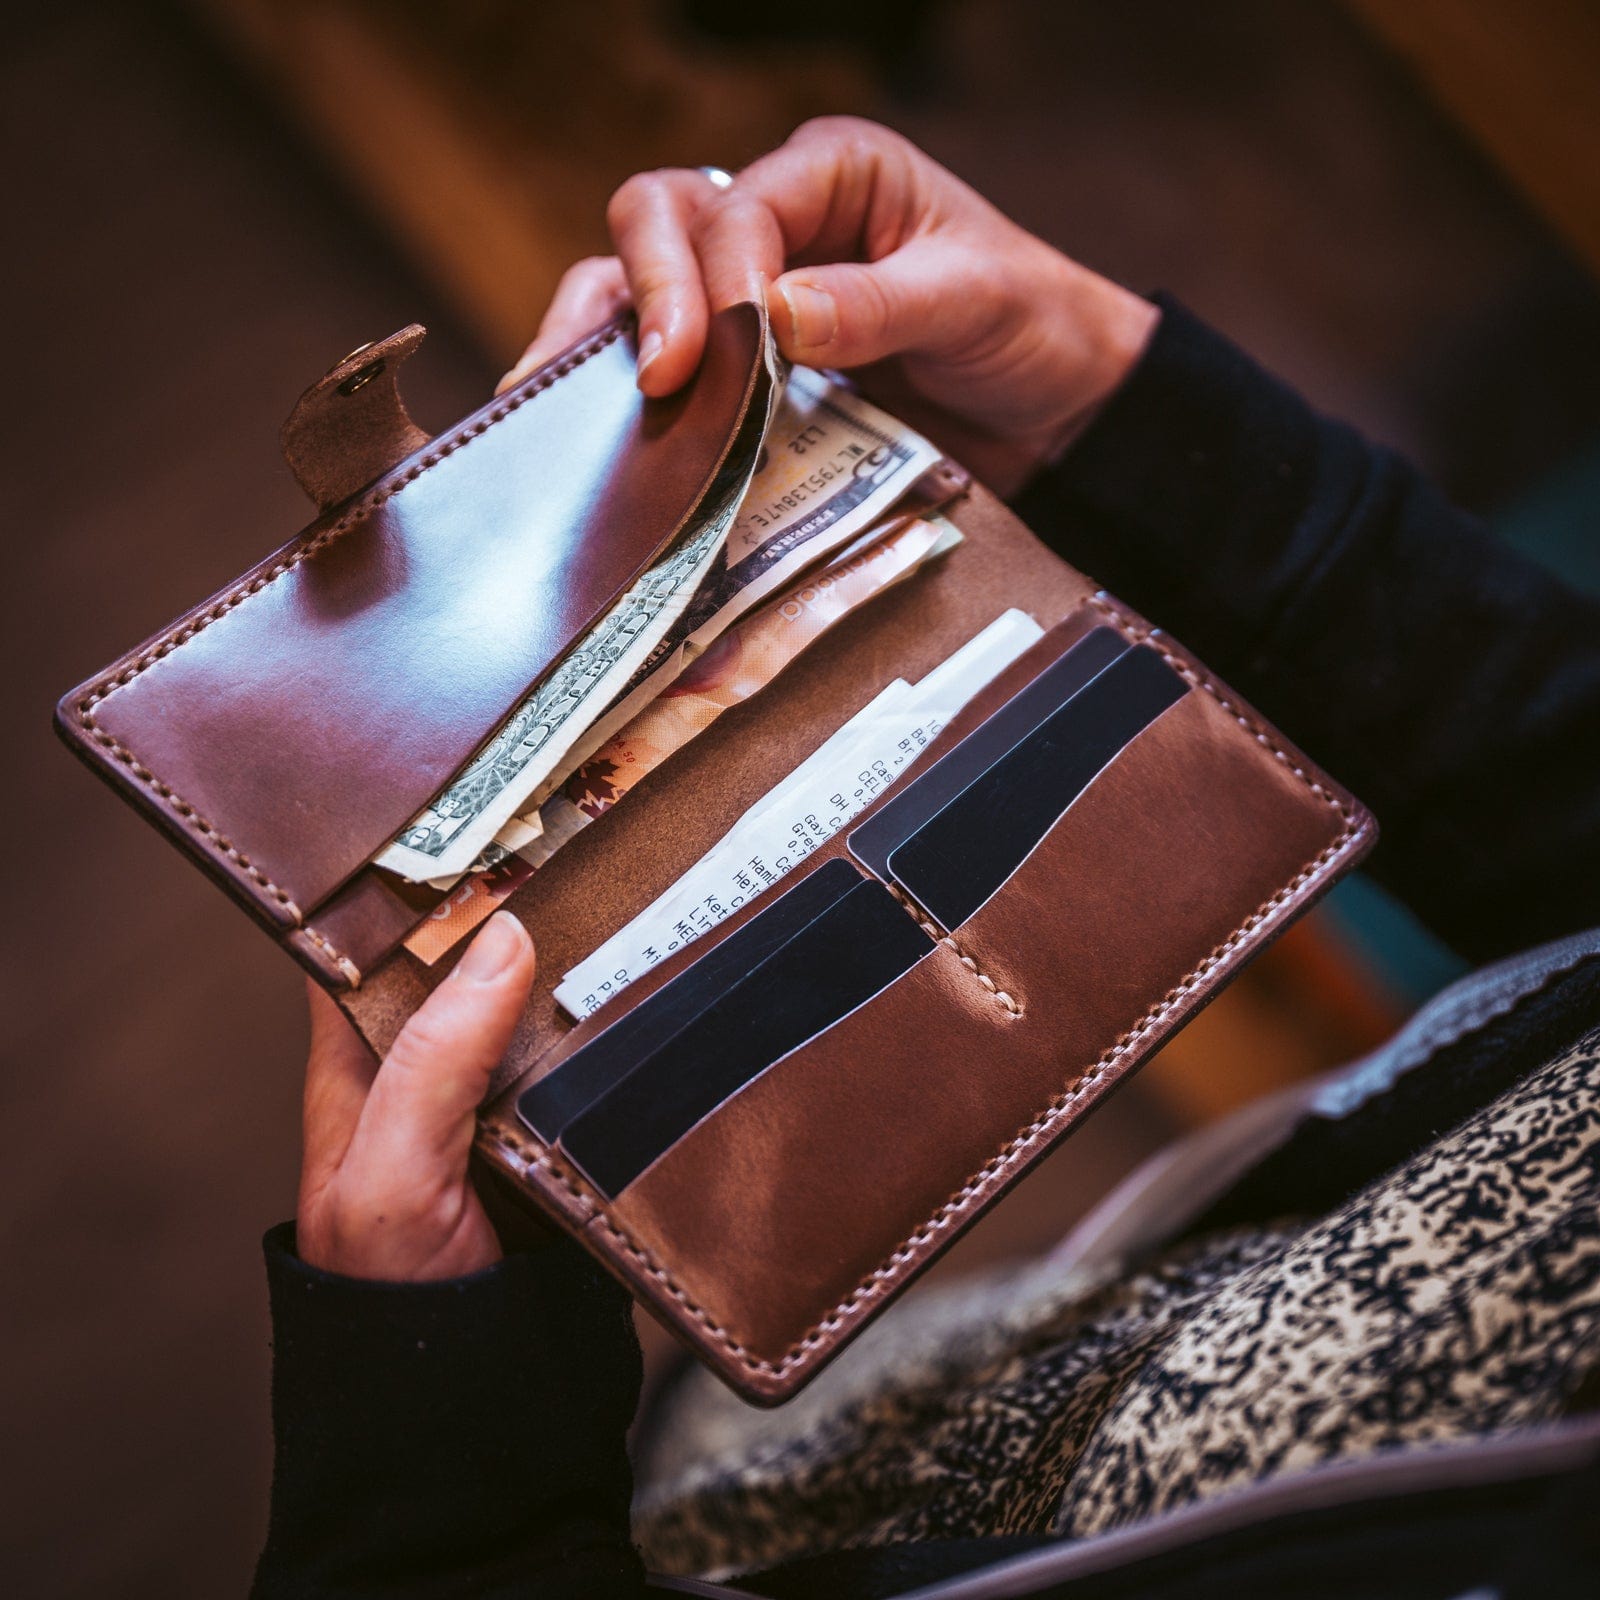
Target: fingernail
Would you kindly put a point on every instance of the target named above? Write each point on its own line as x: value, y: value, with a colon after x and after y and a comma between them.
x: 649, y: 349
x: 488, y: 956
x: 813, y: 316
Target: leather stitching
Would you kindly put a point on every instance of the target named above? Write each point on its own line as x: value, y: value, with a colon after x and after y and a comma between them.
x: 176, y: 801
x: 351, y: 971
x: 237, y: 596
x: 939, y: 936
x: 904, y: 1255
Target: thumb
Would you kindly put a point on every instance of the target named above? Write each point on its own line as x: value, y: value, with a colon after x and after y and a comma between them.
x: 339, y: 1070
x: 921, y: 299
x: 421, y: 1108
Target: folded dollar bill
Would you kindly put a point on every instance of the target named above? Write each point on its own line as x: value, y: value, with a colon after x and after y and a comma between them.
x: 830, y: 465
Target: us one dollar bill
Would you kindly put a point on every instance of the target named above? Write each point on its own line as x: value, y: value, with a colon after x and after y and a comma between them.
x: 832, y: 465
x: 829, y: 464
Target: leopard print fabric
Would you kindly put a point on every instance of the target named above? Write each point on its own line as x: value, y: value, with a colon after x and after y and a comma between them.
x: 1457, y: 1295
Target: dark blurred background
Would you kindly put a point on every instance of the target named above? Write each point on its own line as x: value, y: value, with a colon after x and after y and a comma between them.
x: 1392, y: 201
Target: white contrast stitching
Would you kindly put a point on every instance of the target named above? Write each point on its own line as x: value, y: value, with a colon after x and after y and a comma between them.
x: 352, y: 973
x: 939, y: 936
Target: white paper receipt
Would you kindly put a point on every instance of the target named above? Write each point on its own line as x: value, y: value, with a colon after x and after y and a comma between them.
x: 802, y: 812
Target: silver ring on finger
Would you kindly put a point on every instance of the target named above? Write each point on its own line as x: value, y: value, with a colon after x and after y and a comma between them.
x: 720, y: 177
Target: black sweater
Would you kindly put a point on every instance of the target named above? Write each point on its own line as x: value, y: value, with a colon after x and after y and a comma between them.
x: 468, y: 1437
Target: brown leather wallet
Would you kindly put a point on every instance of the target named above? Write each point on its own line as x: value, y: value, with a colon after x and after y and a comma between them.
x: 761, y: 1170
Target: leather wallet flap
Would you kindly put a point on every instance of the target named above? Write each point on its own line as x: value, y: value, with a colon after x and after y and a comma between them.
x: 285, y: 730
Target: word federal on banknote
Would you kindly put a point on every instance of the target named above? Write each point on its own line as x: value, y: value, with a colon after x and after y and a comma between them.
x: 829, y: 467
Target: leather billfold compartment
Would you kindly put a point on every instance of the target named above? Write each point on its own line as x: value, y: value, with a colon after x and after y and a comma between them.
x: 770, y: 1132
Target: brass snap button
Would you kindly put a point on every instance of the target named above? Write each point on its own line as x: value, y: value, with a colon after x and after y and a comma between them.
x: 360, y: 379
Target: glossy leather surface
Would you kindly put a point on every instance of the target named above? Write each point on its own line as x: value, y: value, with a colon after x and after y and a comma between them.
x: 293, y: 725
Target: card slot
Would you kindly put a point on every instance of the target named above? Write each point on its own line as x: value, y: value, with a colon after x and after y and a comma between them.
x: 901, y: 814
x: 801, y: 1184
x: 957, y: 859
x: 838, y: 962
x: 575, y: 1083
x: 1120, y: 917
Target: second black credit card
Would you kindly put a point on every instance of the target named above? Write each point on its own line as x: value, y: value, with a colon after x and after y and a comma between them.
x: 925, y: 796
x: 854, y: 949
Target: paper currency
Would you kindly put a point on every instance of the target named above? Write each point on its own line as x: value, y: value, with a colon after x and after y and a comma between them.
x: 445, y: 840
x: 829, y: 465
x: 471, y: 902
x: 805, y: 810
x: 749, y: 656
x: 833, y: 465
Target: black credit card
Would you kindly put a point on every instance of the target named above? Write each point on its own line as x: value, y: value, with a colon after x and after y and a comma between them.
x: 854, y: 949
x: 550, y: 1104
x: 925, y: 796
x: 957, y: 859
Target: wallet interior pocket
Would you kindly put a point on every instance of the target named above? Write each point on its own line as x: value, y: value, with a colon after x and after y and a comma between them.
x: 1009, y: 724
x: 954, y: 836
x: 1183, y: 847
x: 786, y: 1200
x: 826, y: 946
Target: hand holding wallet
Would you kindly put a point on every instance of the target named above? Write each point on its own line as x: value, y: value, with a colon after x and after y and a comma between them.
x: 768, y: 1133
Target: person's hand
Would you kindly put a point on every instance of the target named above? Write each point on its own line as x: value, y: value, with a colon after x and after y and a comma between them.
x: 385, y: 1190
x: 871, y: 257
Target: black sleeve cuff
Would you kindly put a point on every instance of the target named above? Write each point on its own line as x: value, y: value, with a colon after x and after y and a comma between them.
x: 443, y: 1437
x: 1451, y: 683
x: 1187, y: 495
